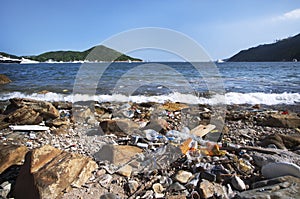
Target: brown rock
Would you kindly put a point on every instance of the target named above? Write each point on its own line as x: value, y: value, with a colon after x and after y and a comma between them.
x: 118, y: 127
x: 24, y: 115
x: 63, y: 105
x: 170, y: 106
x: 125, y: 171
x: 282, y: 141
x: 62, y: 130
x: 83, y: 114
x: 48, y: 171
x: 132, y: 186
x: 4, y: 125
x: 159, y: 125
x: 11, y: 155
x: 4, y: 79
x: 183, y: 176
x: 45, y: 109
x: 290, y: 120
x: 58, y: 122
x: 209, y: 189
x: 117, y: 154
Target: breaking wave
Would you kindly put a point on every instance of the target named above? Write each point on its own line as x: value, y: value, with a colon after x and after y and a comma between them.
x: 228, y: 98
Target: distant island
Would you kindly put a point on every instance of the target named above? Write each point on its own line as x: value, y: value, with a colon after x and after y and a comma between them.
x: 282, y: 50
x: 95, y: 54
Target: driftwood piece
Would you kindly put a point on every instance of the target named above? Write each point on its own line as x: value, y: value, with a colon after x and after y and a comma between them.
x: 251, y: 148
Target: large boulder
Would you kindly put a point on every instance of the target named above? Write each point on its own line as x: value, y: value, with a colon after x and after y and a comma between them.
x: 290, y: 120
x: 11, y: 155
x: 281, y: 141
x: 24, y: 115
x: 45, y: 109
x: 48, y: 171
x: 4, y: 79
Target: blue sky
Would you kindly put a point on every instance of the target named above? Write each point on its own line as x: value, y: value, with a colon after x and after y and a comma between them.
x: 223, y: 28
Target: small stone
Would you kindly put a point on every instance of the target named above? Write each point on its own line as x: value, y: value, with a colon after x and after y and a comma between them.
x: 157, y: 188
x: 125, y: 171
x: 109, y: 196
x: 5, y: 188
x: 165, y: 181
x: 238, y: 183
x: 101, y: 172
x: 176, y: 187
x: 148, y: 194
x: 206, y: 189
x: 132, y: 186
x: 209, y: 189
x: 32, y: 136
x: 183, y: 176
x: 105, y: 180
x: 159, y: 195
x: 208, y: 176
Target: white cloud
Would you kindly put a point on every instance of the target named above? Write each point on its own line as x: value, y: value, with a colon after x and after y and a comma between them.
x: 292, y: 15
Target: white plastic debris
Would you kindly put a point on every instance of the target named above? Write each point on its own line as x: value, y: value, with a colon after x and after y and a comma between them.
x: 28, y: 128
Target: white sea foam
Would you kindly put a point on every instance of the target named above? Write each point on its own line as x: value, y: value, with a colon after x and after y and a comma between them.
x: 228, y: 98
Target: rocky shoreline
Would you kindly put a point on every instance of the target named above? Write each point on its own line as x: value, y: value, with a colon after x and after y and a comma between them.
x: 148, y: 150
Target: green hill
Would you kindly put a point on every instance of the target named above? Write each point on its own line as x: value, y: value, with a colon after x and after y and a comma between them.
x: 9, y: 55
x: 97, y: 53
x: 283, y: 50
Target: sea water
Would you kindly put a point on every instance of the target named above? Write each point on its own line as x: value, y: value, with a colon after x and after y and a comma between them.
x: 267, y: 83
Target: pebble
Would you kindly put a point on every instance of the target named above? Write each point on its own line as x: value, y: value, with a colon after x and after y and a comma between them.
x: 238, y: 183
x: 158, y: 188
x: 208, y: 176
x: 176, y: 187
x: 132, y: 186
x: 183, y: 176
x: 148, y: 194
x: 105, y: 180
x: 109, y: 196
x: 125, y: 171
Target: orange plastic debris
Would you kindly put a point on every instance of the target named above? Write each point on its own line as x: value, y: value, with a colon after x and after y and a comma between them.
x: 185, y: 146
